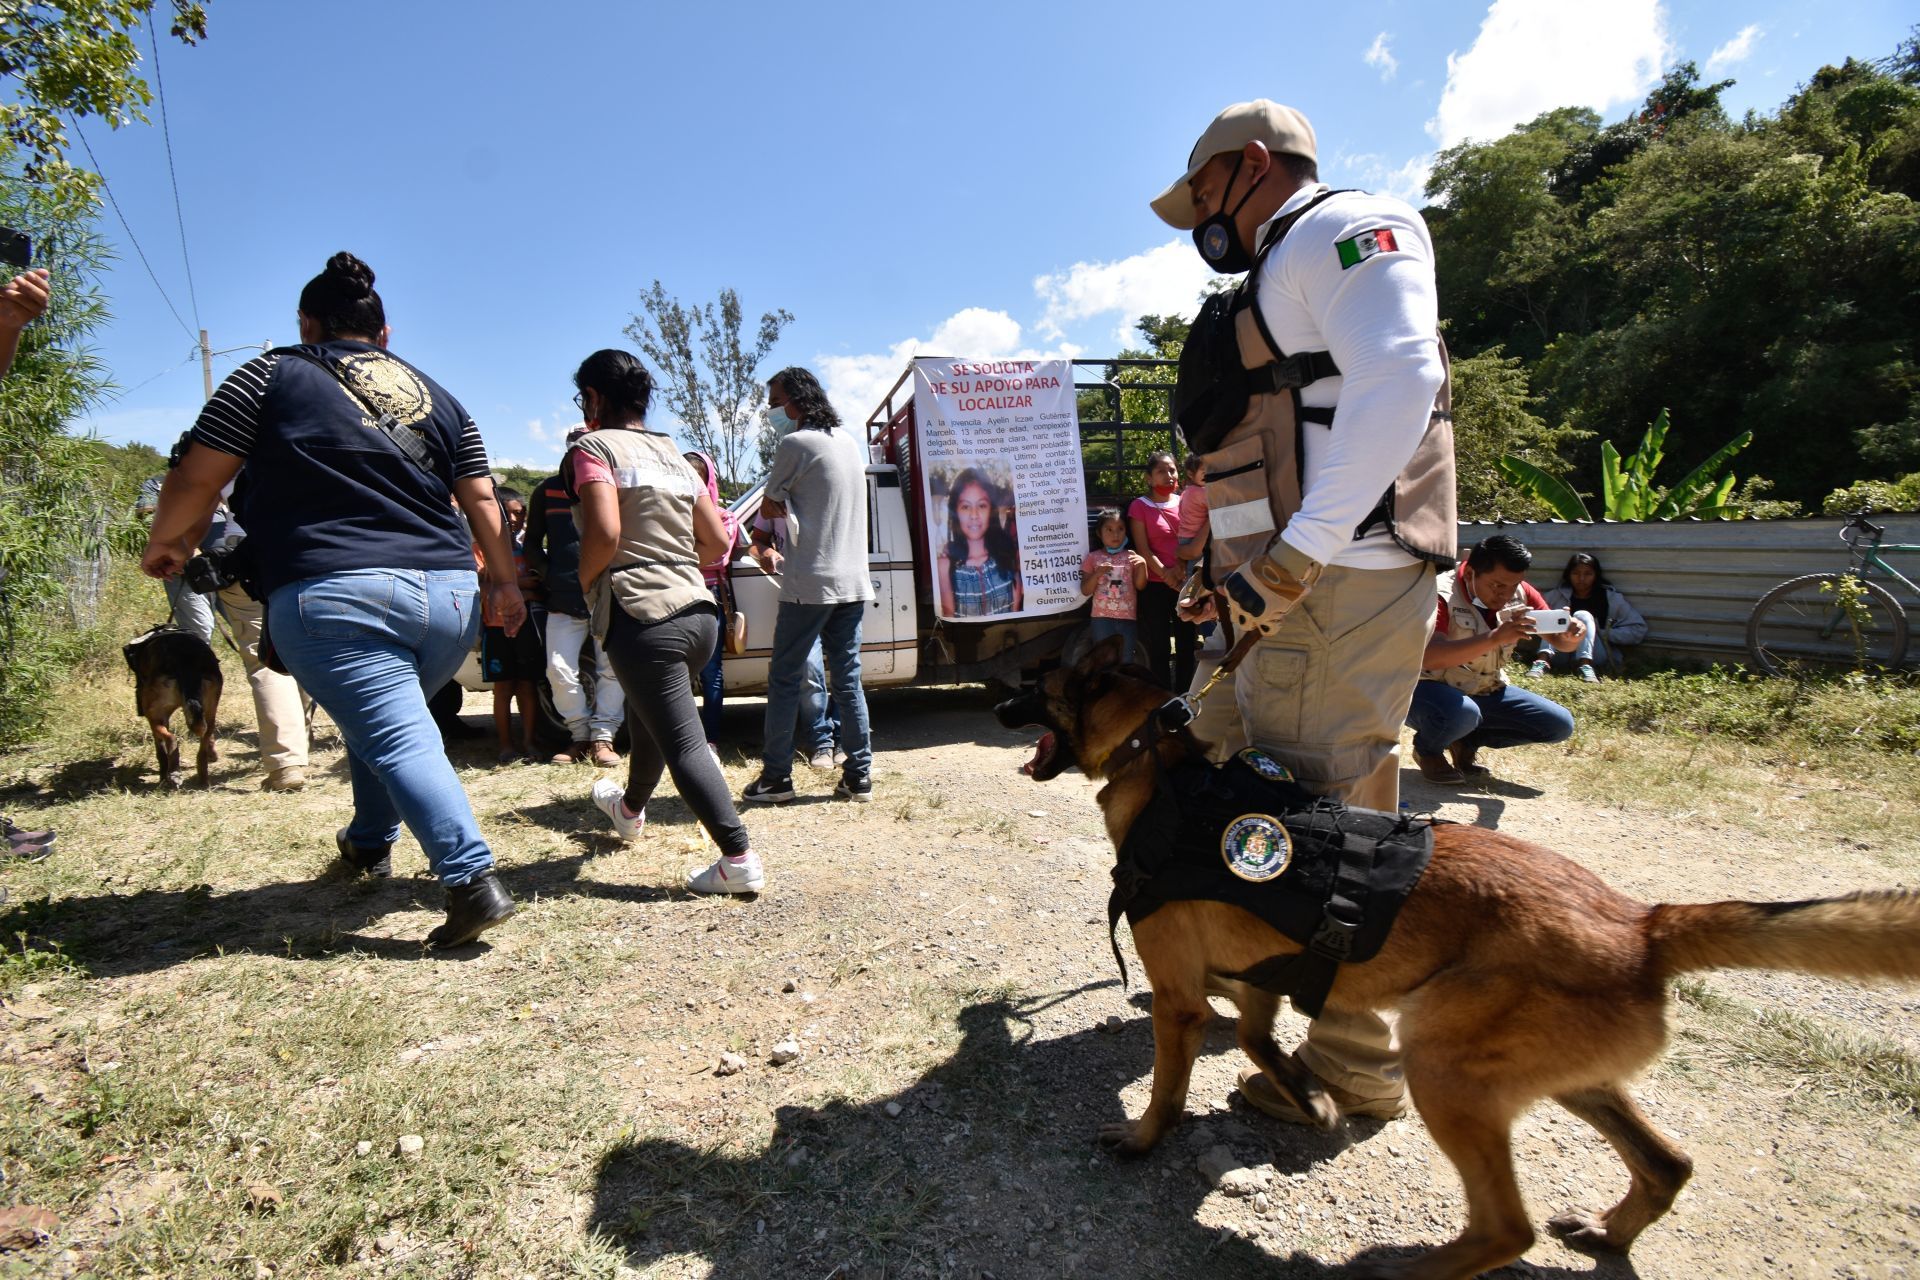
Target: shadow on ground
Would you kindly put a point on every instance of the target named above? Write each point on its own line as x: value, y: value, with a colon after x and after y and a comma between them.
x: 115, y: 934
x: 985, y: 1166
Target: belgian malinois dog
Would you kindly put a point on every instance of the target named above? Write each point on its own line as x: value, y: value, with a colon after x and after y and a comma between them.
x: 1517, y: 974
x: 175, y: 670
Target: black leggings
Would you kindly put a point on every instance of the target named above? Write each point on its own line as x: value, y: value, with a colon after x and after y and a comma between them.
x: 658, y: 663
x: 1169, y: 641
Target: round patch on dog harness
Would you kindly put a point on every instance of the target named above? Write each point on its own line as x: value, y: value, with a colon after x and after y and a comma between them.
x: 1265, y: 765
x: 1256, y: 847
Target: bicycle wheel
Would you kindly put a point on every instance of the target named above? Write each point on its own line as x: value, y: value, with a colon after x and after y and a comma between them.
x: 1800, y: 625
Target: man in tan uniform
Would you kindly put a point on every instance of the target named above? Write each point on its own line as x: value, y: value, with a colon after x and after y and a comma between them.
x: 1332, y: 497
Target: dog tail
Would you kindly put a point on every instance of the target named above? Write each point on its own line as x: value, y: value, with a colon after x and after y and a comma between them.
x: 1863, y: 935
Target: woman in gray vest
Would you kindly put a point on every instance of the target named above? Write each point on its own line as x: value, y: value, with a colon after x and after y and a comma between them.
x: 647, y: 525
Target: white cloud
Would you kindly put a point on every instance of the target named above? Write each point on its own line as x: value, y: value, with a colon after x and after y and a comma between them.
x: 1378, y: 174
x: 1534, y: 55
x: 1378, y: 55
x: 1166, y: 280
x: 1738, y: 49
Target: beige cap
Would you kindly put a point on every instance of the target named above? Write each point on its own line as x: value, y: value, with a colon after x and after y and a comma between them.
x: 1282, y: 128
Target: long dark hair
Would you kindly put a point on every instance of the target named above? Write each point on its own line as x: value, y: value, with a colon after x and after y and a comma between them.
x: 341, y: 299
x: 1000, y: 547
x: 619, y: 378
x: 806, y: 398
x: 1600, y: 582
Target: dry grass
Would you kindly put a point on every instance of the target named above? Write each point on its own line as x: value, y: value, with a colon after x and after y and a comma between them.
x: 201, y: 1025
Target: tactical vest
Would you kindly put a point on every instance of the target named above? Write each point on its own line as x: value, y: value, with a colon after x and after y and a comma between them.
x: 327, y: 492
x: 1486, y: 673
x: 655, y: 570
x: 1254, y: 469
x: 1330, y: 877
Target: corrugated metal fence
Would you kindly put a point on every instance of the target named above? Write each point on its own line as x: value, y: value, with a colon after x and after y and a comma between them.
x: 1696, y: 581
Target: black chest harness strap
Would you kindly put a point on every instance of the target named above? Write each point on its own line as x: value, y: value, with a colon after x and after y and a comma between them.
x: 1327, y: 876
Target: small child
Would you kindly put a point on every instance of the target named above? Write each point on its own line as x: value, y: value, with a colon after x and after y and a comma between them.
x: 1193, y: 534
x: 1192, y: 531
x: 1113, y: 575
x: 513, y: 663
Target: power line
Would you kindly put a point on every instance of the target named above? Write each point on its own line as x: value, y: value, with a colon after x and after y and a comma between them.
x: 160, y: 86
x: 118, y: 396
x: 131, y: 239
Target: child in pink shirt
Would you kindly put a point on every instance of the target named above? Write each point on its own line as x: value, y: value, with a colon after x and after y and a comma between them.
x: 1113, y: 575
x: 1192, y: 530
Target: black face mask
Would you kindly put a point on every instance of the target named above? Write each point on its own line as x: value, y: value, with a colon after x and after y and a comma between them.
x: 1218, y: 239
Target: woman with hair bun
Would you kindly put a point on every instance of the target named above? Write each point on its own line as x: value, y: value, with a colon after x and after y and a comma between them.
x: 648, y: 527
x: 354, y: 461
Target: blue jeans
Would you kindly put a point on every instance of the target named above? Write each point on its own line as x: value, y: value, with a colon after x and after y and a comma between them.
x: 795, y: 629
x: 1099, y: 629
x: 369, y: 645
x: 819, y: 722
x: 1510, y: 716
x: 1593, y: 650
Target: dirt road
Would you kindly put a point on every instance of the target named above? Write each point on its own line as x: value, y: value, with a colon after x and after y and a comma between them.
x: 933, y: 971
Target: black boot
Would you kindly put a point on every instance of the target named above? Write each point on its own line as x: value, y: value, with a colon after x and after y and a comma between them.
x: 376, y: 861
x: 472, y: 909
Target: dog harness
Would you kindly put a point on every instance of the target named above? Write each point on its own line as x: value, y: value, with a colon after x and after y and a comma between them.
x: 1330, y: 877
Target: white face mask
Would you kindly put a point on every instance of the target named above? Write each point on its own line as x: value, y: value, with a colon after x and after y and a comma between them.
x: 782, y: 422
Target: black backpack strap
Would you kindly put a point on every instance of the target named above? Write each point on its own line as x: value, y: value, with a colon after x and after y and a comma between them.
x: 412, y: 444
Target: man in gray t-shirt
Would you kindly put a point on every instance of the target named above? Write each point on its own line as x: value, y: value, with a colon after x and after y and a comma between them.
x: 822, y: 485
x: 819, y: 484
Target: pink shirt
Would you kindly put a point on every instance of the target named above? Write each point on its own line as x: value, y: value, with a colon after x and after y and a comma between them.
x: 1162, y: 521
x: 1193, y: 512
x: 1114, y: 595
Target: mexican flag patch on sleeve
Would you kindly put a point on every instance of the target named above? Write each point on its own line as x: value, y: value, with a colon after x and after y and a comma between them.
x: 1357, y: 250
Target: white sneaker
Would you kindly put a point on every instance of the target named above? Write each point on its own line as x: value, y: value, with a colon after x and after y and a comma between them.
x: 730, y: 875
x: 822, y: 761
x: 607, y: 796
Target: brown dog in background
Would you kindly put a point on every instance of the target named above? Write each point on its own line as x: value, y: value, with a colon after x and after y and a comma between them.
x: 175, y: 670
x: 1517, y: 974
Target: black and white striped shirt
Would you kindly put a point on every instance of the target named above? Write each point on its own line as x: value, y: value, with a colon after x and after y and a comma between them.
x: 230, y: 423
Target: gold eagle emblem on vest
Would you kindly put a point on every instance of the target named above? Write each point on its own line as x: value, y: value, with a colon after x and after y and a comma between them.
x: 388, y: 385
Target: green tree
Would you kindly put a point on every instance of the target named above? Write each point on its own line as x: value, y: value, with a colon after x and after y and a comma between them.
x: 76, y: 58
x: 1493, y: 418
x: 1627, y: 487
x: 58, y: 513
x: 1509, y: 258
x: 710, y: 377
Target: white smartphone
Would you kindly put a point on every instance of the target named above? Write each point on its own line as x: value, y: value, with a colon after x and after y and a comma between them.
x: 1548, y: 622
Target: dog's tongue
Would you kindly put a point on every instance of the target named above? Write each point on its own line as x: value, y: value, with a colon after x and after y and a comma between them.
x: 1041, y: 750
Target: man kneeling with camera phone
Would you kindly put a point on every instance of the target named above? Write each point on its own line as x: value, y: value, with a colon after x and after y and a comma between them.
x: 1464, y: 701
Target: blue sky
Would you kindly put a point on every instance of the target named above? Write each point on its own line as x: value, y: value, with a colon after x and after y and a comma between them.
x: 966, y: 180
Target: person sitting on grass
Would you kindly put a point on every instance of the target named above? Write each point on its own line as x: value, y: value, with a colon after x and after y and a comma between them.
x: 1611, y: 621
x: 1463, y: 700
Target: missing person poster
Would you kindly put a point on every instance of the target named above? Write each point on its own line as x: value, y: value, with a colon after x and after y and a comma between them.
x: 1006, y: 494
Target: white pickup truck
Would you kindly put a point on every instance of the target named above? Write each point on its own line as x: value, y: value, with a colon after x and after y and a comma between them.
x: 901, y: 641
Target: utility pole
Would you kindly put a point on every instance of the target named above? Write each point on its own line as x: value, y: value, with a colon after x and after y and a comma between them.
x: 206, y: 362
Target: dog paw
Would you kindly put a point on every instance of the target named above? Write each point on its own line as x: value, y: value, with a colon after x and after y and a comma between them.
x: 1579, y: 1229
x: 1124, y: 1138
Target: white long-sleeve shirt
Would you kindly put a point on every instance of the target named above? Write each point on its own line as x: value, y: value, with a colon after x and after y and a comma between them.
x: 1378, y: 317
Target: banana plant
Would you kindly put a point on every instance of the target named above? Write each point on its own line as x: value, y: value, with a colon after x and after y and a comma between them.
x: 1627, y: 488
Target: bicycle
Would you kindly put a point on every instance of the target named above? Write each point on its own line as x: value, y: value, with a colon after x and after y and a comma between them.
x: 1827, y: 619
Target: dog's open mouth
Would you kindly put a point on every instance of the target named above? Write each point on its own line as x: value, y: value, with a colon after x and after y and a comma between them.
x: 1044, y: 752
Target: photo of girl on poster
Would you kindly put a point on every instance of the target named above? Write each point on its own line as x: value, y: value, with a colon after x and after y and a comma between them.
x: 978, y: 566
